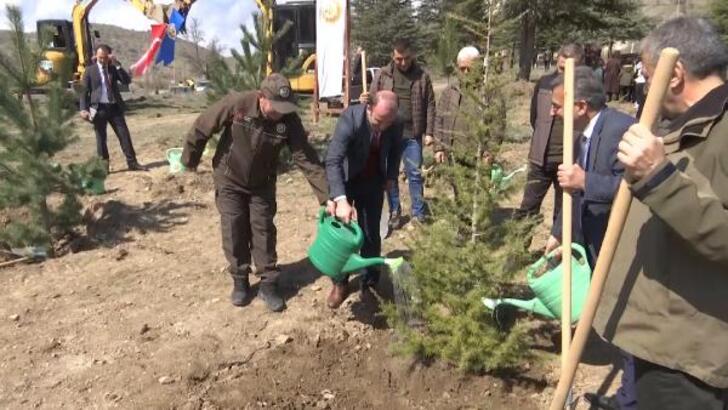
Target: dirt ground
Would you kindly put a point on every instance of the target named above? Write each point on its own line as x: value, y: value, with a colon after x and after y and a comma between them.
x: 140, y: 317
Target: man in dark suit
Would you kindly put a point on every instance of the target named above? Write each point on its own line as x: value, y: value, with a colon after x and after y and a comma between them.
x: 362, y: 161
x: 593, y: 181
x: 101, y: 103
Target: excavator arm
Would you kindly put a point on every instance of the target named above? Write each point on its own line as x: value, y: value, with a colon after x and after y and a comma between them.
x: 80, y: 12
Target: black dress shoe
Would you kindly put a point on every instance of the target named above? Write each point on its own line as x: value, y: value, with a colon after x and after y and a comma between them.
x: 135, y: 166
x: 599, y: 401
x: 269, y: 293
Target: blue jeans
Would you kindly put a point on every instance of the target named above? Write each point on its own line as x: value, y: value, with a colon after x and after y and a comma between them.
x: 412, y: 157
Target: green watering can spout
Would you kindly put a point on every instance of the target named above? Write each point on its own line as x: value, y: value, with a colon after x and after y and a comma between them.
x: 534, y: 305
x: 356, y: 262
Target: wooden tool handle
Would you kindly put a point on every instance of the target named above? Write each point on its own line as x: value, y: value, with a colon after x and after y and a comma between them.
x: 566, y: 212
x: 364, y: 71
x: 658, y: 88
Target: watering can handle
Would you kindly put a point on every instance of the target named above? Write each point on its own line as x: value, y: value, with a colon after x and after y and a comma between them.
x: 352, y: 226
x: 536, y: 266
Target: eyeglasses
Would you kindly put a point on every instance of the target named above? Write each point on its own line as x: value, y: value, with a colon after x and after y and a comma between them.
x: 464, y: 69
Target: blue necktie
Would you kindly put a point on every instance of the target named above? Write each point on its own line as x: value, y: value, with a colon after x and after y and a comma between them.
x: 584, y: 154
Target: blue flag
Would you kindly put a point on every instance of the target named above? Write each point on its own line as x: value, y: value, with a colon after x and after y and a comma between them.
x: 177, y: 20
x: 166, y: 50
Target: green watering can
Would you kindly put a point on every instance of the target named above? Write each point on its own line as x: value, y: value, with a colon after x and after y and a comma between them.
x: 499, y: 179
x: 335, y: 251
x: 547, y: 287
x: 174, y: 157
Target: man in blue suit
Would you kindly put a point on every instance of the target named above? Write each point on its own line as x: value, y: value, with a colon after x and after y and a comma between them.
x: 593, y: 182
x: 362, y: 161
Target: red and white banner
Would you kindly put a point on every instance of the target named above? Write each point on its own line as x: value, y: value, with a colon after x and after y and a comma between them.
x: 147, y: 61
x: 330, y: 33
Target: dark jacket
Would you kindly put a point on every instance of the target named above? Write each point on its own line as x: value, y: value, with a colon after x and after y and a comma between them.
x: 454, y: 110
x: 349, y: 149
x: 248, y: 151
x: 603, y: 175
x: 91, y: 94
x: 542, y: 121
x: 665, y: 298
x: 611, y: 75
x: 423, y: 97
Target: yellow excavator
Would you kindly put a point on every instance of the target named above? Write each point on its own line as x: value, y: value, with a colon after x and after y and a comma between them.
x: 297, y: 41
x: 70, y: 46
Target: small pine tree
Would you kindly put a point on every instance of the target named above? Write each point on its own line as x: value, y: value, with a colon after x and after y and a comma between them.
x: 468, y: 252
x: 249, y: 68
x: 44, y: 192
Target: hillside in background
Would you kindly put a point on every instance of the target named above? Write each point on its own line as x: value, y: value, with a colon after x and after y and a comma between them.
x: 130, y: 45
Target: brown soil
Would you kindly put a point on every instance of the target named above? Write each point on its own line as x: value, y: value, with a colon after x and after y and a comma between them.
x: 140, y: 317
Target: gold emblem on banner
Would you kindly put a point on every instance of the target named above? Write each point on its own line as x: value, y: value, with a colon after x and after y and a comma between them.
x: 331, y: 11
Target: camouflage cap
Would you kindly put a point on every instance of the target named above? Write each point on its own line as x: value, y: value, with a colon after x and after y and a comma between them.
x: 277, y: 89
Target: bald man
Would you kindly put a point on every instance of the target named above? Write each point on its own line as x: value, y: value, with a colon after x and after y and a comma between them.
x: 362, y: 161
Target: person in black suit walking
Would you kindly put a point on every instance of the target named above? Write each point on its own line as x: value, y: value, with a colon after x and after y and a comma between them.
x: 361, y: 162
x: 101, y: 104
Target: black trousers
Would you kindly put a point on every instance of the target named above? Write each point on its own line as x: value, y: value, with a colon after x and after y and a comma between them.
x: 246, y: 221
x: 113, y: 115
x: 368, y: 198
x: 660, y: 388
x: 538, y: 182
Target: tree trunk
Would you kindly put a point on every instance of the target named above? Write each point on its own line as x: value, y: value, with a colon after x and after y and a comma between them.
x: 528, y: 42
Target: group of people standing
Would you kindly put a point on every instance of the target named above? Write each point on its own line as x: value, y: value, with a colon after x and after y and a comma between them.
x: 664, y: 304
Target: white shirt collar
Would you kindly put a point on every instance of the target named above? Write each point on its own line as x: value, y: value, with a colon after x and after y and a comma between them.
x: 589, y: 130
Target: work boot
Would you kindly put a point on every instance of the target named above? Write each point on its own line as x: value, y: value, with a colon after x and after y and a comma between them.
x: 135, y: 166
x: 241, y: 291
x: 268, y: 291
x: 598, y: 401
x: 338, y: 295
x: 395, y: 220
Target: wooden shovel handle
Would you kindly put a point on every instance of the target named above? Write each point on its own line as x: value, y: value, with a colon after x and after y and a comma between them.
x: 364, y: 71
x: 566, y: 210
x: 658, y: 88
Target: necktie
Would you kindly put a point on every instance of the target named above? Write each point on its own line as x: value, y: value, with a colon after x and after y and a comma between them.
x: 105, y: 73
x: 584, y: 144
x: 376, y: 139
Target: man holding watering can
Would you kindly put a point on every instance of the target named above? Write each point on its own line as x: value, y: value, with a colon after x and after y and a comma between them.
x: 255, y: 126
x: 362, y: 161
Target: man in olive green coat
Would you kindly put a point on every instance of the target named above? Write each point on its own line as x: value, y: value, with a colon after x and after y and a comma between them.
x: 666, y: 297
x: 255, y: 126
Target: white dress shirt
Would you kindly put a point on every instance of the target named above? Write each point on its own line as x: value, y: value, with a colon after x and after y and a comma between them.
x: 585, y: 141
x: 104, y: 87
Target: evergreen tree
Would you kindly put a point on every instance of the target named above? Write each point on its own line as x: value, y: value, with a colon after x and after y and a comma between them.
x: 719, y: 14
x: 468, y: 252
x: 44, y: 192
x: 559, y: 21
x: 377, y: 23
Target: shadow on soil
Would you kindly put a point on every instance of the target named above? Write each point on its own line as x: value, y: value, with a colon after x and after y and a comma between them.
x: 110, y: 223
x: 296, y: 276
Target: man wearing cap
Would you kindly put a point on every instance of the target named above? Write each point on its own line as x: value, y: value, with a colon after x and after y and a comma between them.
x: 255, y: 126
